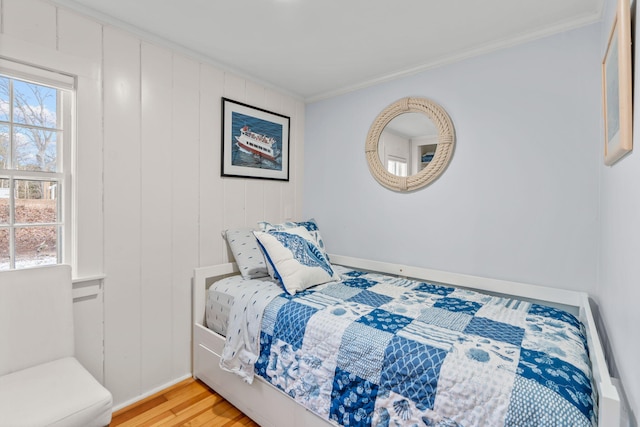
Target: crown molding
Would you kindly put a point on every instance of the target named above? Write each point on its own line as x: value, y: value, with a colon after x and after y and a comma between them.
x: 461, y: 56
x: 508, y: 42
x: 148, y: 37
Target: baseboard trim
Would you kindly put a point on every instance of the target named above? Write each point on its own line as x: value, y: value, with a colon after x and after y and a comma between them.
x: 151, y: 392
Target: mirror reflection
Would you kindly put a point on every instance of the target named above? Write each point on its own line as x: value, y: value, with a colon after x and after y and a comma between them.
x: 407, y: 144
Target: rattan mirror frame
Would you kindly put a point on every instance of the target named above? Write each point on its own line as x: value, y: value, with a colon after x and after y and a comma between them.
x: 441, y: 158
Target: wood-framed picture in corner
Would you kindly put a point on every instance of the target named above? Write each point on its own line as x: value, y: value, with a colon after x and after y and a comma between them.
x: 255, y: 142
x: 617, y: 87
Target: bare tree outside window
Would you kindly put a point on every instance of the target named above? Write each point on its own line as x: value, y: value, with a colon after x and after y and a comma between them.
x: 35, y: 124
x: 30, y: 130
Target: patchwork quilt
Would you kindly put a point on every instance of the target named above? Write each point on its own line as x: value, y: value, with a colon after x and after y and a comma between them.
x: 375, y: 350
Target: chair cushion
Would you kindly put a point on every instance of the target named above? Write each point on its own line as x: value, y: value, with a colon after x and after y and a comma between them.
x: 59, y: 393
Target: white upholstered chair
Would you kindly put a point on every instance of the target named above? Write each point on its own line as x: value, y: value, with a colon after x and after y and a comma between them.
x: 41, y: 382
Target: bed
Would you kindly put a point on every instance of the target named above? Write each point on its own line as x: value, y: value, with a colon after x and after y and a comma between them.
x: 272, y: 402
x: 332, y: 340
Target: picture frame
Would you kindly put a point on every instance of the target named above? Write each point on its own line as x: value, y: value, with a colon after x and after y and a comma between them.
x: 617, y: 86
x: 255, y: 142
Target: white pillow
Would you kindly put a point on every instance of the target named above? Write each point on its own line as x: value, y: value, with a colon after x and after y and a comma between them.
x: 246, y: 252
x: 297, y: 261
x: 310, y: 225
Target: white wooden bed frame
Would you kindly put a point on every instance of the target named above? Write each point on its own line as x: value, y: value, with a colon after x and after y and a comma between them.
x: 270, y: 407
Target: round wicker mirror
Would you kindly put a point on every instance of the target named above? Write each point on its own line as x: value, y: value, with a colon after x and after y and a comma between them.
x: 437, y: 161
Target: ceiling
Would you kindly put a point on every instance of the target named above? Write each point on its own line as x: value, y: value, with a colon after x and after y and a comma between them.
x: 313, y: 49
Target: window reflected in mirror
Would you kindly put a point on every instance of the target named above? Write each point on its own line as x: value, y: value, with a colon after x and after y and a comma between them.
x: 407, y: 144
x: 397, y: 166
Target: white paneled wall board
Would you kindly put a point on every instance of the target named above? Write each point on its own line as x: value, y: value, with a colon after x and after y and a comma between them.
x: 88, y: 325
x: 185, y: 176
x: 89, y: 144
x: 234, y: 196
x: 123, y: 248
x: 150, y: 200
x: 256, y: 193
x: 155, y: 198
x: 40, y: 28
x: 88, y: 206
x: 273, y: 203
x: 211, y: 215
x: 89, y: 46
x: 292, y: 194
x: 297, y: 162
x: 234, y: 87
x: 255, y: 95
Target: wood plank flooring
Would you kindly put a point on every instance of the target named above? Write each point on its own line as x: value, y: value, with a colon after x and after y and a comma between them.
x: 188, y: 403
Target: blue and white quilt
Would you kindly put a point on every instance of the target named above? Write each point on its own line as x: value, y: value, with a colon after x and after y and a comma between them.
x: 375, y: 350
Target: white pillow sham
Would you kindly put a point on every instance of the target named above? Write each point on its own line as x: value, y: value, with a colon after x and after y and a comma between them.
x: 297, y: 261
x: 310, y: 225
x: 246, y: 252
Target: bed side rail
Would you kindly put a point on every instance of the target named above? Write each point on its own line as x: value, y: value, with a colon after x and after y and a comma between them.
x: 609, y: 403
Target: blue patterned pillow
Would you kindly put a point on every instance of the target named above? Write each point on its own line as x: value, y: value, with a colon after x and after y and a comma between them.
x: 310, y: 225
x: 246, y: 252
x: 297, y: 261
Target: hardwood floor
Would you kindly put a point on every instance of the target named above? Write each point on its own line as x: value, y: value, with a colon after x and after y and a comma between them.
x: 188, y: 403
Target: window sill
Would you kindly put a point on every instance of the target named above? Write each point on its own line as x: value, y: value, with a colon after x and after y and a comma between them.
x: 87, y: 286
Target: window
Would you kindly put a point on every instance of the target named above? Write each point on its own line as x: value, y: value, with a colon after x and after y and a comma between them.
x: 35, y: 135
x: 397, y: 166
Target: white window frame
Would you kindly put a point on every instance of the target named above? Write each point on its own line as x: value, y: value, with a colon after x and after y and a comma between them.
x: 66, y: 112
x: 397, y: 165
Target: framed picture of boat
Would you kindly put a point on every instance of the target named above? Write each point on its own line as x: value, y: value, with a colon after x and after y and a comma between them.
x: 255, y: 142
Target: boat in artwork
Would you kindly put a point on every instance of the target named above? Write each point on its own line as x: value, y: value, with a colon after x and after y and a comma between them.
x: 255, y: 143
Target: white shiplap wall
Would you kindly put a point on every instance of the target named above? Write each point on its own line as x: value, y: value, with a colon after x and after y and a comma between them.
x: 151, y: 203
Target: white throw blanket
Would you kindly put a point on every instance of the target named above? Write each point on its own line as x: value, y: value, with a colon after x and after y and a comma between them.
x: 242, y: 346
